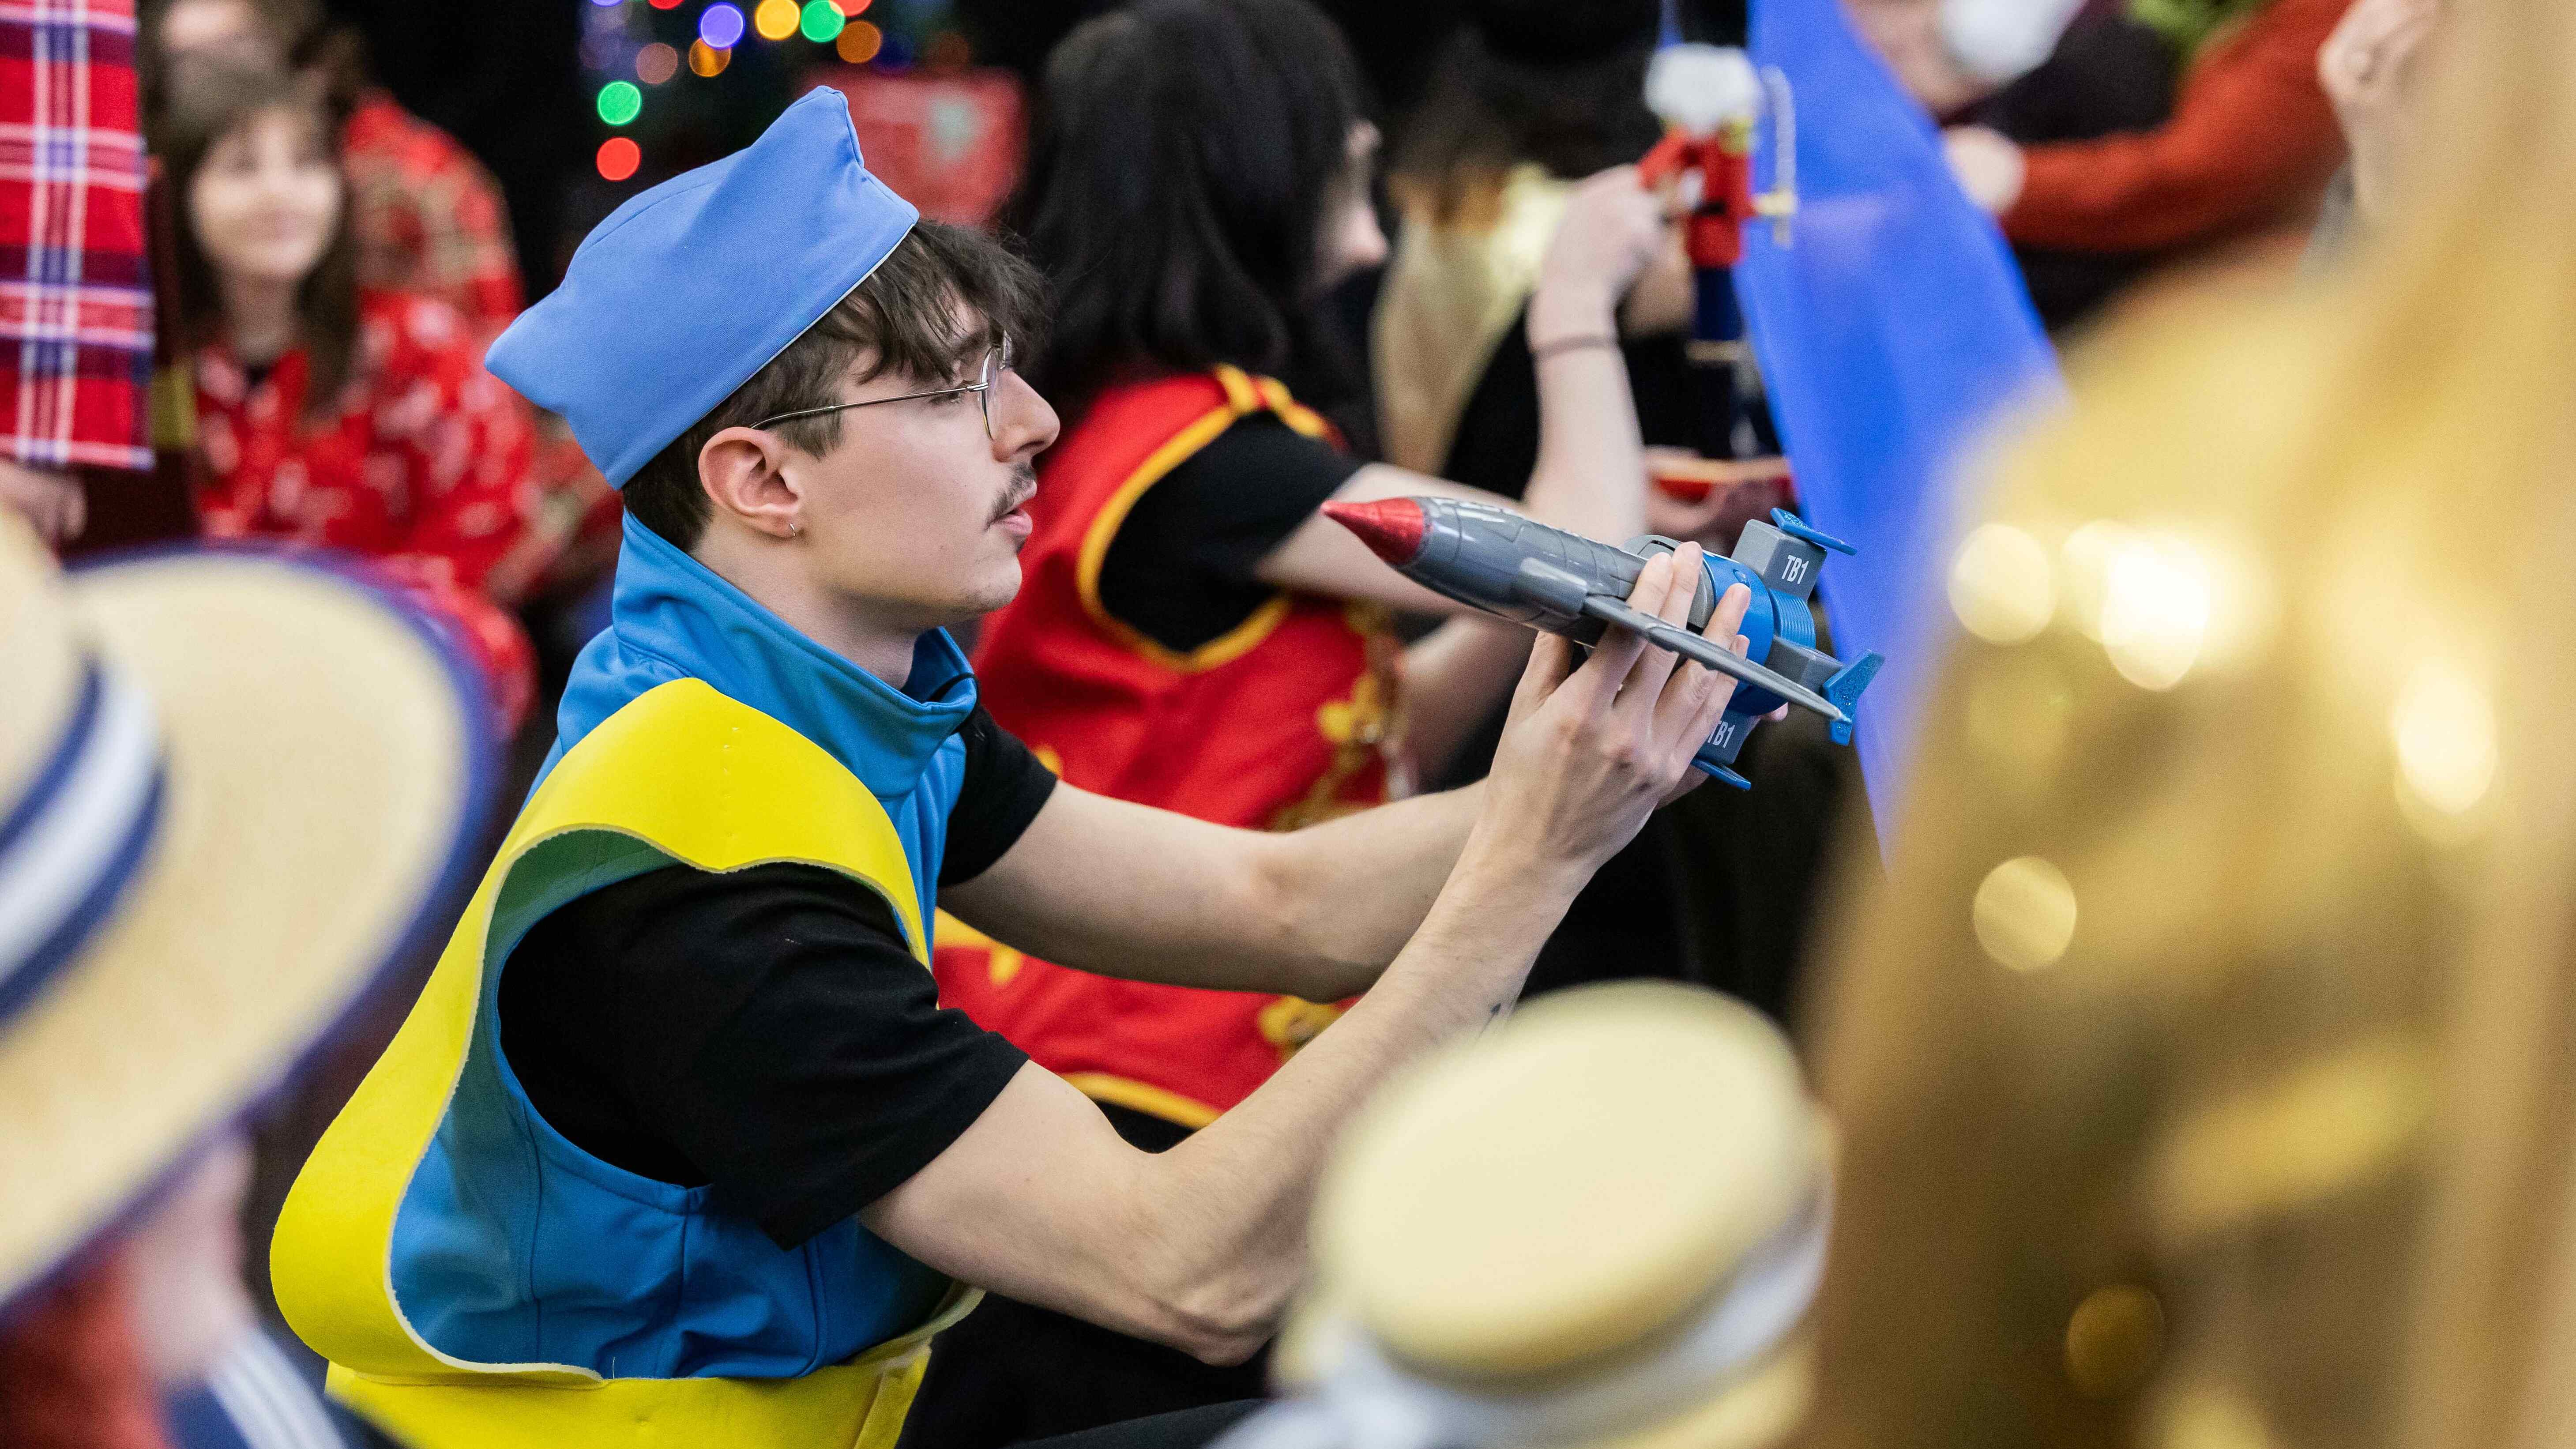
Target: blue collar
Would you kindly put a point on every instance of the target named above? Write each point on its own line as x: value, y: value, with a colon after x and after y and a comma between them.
x: 671, y: 617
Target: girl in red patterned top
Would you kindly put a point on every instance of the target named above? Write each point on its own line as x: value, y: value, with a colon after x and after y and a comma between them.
x: 358, y: 420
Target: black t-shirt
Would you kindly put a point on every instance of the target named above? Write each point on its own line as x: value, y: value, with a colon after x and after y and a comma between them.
x: 765, y: 1031
x: 1180, y: 570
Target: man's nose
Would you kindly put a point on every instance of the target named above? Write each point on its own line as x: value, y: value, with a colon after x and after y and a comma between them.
x: 1024, y: 423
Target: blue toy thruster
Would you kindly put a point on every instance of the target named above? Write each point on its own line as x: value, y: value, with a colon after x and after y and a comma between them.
x: 1523, y: 570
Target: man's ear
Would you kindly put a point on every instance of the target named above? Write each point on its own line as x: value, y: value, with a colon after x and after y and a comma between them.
x: 744, y: 473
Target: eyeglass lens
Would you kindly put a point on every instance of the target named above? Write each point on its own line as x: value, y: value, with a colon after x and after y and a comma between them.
x: 997, y: 360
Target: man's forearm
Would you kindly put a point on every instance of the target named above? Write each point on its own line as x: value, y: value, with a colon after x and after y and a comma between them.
x: 1228, y: 1207
x: 1346, y: 895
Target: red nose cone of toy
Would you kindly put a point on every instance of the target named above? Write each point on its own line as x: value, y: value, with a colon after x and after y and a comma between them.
x: 1391, y: 527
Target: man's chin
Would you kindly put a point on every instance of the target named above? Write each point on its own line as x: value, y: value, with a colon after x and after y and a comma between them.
x: 1000, y: 587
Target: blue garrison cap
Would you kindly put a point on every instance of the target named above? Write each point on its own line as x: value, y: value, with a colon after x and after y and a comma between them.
x: 690, y: 288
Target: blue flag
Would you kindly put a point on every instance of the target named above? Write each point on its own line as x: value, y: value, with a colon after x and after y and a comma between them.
x: 1893, y: 329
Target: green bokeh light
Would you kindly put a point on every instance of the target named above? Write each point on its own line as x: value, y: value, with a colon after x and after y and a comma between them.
x: 822, y: 21
x: 620, y: 102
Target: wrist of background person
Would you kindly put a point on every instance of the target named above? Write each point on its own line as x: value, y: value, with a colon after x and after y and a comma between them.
x: 1571, y: 309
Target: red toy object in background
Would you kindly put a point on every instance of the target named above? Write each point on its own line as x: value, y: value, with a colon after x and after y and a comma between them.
x: 948, y: 142
x: 1688, y: 478
x: 1721, y: 164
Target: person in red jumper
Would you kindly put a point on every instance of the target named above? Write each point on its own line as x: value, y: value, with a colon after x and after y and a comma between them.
x: 1191, y: 633
x: 427, y: 219
x: 2248, y: 150
x: 355, y: 419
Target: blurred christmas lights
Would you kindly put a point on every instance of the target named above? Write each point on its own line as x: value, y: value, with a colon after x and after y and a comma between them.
x: 720, y: 28
x: 822, y: 20
x: 656, y: 63
x: 620, y: 102
x: 775, y: 19
x: 618, y: 158
x: 858, y: 44
x: 707, y: 60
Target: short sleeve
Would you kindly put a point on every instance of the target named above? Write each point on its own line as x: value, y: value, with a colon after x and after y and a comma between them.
x: 1006, y: 786
x: 1181, y: 569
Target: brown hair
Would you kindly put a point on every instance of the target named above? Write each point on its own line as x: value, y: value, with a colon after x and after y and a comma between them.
x: 294, y: 33
x: 207, y: 99
x: 905, y: 313
x: 1486, y: 112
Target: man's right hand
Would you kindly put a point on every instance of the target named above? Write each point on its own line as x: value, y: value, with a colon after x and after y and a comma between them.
x: 53, y: 502
x: 1199, y: 1247
x: 1591, y: 751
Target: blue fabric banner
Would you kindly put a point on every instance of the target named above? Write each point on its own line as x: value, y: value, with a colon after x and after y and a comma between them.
x: 1893, y: 330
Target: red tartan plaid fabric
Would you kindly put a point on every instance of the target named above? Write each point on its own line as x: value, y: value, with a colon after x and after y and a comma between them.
x: 75, y: 293
x: 423, y: 466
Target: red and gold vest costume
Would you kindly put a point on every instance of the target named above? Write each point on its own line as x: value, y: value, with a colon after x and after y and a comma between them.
x: 1285, y: 720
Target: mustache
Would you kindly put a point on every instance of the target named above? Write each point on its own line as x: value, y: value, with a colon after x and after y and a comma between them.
x: 1024, y: 486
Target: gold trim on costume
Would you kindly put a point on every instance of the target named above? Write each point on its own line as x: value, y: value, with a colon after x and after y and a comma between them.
x: 1242, y: 399
x: 1139, y: 1096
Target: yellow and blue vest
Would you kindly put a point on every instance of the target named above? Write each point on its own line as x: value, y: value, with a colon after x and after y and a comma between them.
x: 473, y: 1276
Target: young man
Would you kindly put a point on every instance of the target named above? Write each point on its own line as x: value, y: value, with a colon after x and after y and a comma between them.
x: 708, y: 1148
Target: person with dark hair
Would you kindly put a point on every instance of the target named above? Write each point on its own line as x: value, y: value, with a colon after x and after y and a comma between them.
x: 2235, y: 169
x: 679, y: 1134
x: 1195, y: 635
x: 427, y: 219
x: 328, y: 413
x: 1525, y: 98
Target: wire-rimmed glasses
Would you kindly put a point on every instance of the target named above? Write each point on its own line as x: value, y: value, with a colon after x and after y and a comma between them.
x: 997, y: 360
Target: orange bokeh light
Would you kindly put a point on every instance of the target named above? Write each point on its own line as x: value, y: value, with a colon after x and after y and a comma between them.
x: 860, y: 43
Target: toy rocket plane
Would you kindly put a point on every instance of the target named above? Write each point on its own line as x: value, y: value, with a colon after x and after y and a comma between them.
x: 1523, y: 570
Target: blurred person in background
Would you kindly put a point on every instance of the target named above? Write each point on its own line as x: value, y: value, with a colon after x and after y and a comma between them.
x: 424, y: 213
x: 1193, y: 633
x: 329, y: 413
x: 2083, y: 75
x: 2203, y: 1069
x: 2236, y: 172
x: 1524, y: 99
x: 183, y: 919
x: 426, y: 219
x: 76, y: 333
x: 2372, y: 69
